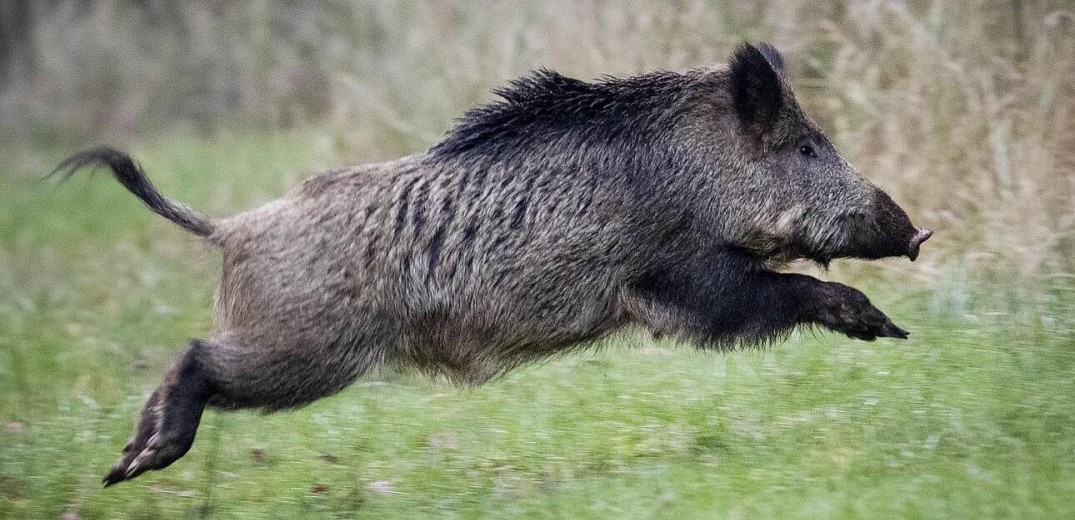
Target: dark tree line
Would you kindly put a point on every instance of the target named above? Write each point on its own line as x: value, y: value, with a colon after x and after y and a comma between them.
x: 16, y: 39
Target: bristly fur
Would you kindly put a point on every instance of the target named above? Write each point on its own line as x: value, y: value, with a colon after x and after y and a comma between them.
x: 545, y: 106
x: 543, y: 223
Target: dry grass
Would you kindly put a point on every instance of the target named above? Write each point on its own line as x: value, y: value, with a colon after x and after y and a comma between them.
x: 965, y: 111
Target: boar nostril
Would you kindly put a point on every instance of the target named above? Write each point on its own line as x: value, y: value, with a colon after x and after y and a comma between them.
x: 916, y: 241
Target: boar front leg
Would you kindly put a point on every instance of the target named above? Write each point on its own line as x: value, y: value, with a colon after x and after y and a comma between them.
x: 843, y: 309
x: 727, y: 298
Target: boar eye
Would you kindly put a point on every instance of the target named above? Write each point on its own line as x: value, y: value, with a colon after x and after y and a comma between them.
x: 807, y: 150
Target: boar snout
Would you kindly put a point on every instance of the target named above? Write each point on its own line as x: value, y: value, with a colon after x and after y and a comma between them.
x: 883, y: 231
x: 920, y: 236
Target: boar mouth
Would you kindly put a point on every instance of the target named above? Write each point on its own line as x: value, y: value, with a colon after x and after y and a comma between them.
x: 905, y: 244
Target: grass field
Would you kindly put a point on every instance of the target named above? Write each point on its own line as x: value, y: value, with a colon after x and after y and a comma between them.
x: 973, y: 417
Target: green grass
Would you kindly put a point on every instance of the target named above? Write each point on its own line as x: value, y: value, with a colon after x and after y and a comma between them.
x: 973, y: 417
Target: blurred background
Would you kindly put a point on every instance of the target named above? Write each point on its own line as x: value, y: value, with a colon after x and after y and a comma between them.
x: 963, y: 111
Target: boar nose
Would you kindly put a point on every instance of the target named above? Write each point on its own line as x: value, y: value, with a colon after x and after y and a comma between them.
x: 920, y: 236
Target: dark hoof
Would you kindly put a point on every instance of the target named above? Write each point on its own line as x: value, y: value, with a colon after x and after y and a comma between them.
x: 849, y: 311
x: 873, y: 326
x: 890, y: 330
x: 165, y: 433
x: 137, y: 458
x: 141, y: 455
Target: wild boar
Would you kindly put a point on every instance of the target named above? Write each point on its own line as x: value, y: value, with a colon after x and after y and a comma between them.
x: 543, y: 221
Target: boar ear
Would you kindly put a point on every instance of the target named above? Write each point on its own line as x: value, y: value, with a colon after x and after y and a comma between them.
x: 757, y: 92
x: 773, y: 56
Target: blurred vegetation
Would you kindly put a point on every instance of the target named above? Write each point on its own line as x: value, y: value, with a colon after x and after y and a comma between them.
x: 963, y: 111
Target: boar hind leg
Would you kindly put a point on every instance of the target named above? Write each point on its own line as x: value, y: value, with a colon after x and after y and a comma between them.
x: 169, y: 419
x: 230, y: 373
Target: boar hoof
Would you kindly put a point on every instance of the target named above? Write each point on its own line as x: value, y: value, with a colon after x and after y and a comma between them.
x: 849, y: 312
x: 151, y: 448
x: 169, y: 421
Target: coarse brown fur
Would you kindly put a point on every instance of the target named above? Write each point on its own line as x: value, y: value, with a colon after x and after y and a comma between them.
x: 545, y: 221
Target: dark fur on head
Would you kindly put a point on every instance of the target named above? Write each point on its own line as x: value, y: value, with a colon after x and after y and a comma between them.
x: 543, y: 222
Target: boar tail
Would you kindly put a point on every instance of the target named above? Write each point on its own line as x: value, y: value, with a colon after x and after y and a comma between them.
x: 134, y: 179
